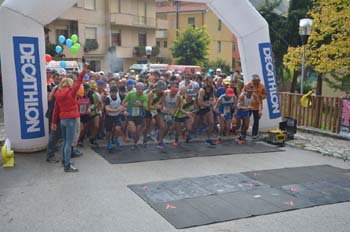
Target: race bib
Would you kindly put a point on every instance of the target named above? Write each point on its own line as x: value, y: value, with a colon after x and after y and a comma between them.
x: 135, y: 111
x: 83, y: 109
x: 227, y: 110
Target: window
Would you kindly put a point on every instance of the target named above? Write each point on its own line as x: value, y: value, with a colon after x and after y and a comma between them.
x: 90, y: 33
x: 62, y: 31
x: 116, y: 39
x: 90, y: 4
x: 158, y: 44
x: 191, y: 21
x: 115, y: 6
x: 142, y: 39
x: 233, y: 46
x: 219, y: 25
x: 219, y: 46
x: 165, y: 44
x: 141, y: 11
x: 95, y: 65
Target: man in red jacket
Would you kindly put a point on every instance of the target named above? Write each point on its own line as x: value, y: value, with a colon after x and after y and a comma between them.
x: 66, y: 109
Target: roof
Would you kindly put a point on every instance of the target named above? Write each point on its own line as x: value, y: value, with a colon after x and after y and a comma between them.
x: 184, y: 7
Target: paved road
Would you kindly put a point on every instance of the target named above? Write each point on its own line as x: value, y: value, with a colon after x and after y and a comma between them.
x: 36, y: 196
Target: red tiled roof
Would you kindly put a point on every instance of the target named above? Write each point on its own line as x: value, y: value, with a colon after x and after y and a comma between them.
x: 183, y: 7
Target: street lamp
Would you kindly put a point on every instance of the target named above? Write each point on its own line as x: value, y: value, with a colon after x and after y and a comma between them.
x: 304, y: 32
x: 148, y: 54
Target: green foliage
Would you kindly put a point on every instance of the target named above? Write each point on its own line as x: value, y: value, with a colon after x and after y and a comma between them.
x: 339, y: 81
x: 191, y: 47
x: 90, y: 44
x: 219, y: 63
x: 50, y: 49
x: 328, y: 48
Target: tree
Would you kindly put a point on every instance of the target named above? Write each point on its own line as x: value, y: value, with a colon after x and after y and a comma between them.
x: 219, y: 63
x: 191, y: 47
x: 328, y: 49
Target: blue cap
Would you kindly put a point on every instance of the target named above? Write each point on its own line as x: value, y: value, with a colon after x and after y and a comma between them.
x: 130, y: 83
x: 86, y: 77
x: 100, y: 82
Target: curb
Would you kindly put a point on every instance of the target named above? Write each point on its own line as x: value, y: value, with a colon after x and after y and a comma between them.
x: 323, y: 133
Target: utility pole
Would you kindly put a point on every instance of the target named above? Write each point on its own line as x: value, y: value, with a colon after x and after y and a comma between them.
x: 177, y: 17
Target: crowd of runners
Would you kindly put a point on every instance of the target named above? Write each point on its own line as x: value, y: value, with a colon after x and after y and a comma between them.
x: 138, y: 108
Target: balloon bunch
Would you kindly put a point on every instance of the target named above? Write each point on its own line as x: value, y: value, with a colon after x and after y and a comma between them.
x: 71, y: 43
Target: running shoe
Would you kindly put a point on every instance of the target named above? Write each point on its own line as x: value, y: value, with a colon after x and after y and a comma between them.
x: 176, y: 143
x: 109, y: 146
x: 161, y: 145
x: 210, y: 142
x: 116, y: 143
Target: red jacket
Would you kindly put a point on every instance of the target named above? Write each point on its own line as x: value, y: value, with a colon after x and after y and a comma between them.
x: 66, y: 105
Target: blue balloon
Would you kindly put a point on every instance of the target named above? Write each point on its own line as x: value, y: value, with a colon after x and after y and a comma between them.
x: 61, y: 39
x: 58, y: 49
x: 63, y: 64
x: 86, y: 77
x: 69, y: 43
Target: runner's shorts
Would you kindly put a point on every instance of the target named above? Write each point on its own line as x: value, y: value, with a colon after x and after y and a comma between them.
x: 111, y: 122
x: 242, y: 114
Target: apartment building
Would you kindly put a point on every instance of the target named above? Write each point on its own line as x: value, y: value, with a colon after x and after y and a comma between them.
x: 223, y: 43
x: 112, y: 33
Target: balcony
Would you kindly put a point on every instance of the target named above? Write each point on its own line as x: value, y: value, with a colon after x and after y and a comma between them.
x: 124, y: 52
x: 132, y: 20
x: 162, y: 24
x: 161, y: 34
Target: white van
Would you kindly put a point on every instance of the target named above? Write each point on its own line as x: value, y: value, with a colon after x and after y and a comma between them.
x: 71, y: 66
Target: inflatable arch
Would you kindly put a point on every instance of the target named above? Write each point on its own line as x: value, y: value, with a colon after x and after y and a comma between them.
x: 22, y: 47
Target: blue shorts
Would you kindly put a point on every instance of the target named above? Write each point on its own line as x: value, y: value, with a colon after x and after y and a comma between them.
x: 242, y: 114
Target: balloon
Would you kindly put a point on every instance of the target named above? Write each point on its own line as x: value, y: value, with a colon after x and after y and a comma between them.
x: 63, y: 64
x: 61, y: 39
x: 86, y: 77
x: 69, y: 43
x: 77, y: 45
x: 48, y: 58
x: 74, y: 49
x: 74, y: 38
x: 58, y: 49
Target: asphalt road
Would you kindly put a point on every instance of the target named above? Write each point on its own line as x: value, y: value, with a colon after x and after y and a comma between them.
x: 37, y: 196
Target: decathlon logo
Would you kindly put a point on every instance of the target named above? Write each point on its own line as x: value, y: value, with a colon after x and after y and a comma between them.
x: 29, y: 89
x: 269, y: 74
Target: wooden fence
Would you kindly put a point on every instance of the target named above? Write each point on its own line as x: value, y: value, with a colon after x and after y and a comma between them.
x: 323, y: 112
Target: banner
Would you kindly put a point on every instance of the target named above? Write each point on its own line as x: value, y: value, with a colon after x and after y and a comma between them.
x: 344, y: 128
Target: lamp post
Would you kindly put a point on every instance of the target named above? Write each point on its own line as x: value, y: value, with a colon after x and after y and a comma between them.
x: 304, y: 32
x: 148, y: 54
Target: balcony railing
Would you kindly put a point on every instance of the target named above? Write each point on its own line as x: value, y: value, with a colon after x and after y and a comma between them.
x: 161, y: 34
x: 124, y: 52
x: 132, y: 20
x: 162, y: 24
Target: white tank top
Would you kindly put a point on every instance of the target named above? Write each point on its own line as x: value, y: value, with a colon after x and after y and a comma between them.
x: 114, y: 104
x: 246, y: 102
x: 170, y: 102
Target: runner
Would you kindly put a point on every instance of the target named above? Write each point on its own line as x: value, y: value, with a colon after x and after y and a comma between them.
x: 227, y: 107
x: 185, y: 114
x: 136, y: 103
x: 112, y: 120
x: 155, y: 100
x: 205, y: 102
x: 171, y: 104
x: 244, y: 107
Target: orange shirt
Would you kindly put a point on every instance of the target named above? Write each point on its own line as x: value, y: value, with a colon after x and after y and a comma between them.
x: 80, y: 92
x: 259, y: 92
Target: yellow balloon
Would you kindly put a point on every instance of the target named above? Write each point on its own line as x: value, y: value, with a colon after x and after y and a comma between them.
x: 304, y: 101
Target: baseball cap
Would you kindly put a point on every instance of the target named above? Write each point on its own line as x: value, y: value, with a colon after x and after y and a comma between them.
x: 218, y: 70
x: 93, y: 85
x: 227, y: 82
x: 130, y: 83
x: 255, y: 77
x: 229, y: 92
x: 101, y: 73
x: 100, y: 82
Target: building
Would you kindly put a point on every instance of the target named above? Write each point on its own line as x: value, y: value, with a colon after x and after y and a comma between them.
x: 223, y: 43
x: 112, y: 33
